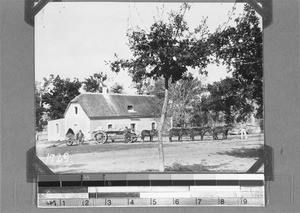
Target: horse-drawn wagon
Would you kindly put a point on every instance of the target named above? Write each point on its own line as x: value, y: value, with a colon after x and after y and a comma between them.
x: 102, y: 136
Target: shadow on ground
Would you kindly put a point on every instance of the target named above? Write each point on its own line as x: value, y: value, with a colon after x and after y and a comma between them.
x: 198, y: 168
x: 244, y: 152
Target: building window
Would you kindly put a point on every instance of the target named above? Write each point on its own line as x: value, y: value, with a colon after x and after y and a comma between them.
x: 57, y: 128
x: 109, y: 126
x: 132, y: 127
x: 76, y: 110
x: 153, y: 126
x: 130, y: 108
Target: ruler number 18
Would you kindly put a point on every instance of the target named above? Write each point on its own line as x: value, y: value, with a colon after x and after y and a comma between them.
x: 222, y: 201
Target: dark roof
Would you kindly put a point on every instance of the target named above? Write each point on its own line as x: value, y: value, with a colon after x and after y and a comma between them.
x: 97, y: 105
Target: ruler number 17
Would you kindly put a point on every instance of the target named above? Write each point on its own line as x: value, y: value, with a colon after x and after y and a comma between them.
x: 198, y: 201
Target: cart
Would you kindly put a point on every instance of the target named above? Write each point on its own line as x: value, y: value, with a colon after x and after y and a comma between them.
x: 127, y: 136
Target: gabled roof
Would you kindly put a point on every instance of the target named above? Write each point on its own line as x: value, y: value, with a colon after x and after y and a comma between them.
x: 97, y: 105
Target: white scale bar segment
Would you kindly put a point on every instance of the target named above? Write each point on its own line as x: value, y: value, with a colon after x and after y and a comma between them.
x: 165, y: 195
x: 63, y: 195
x: 139, y: 189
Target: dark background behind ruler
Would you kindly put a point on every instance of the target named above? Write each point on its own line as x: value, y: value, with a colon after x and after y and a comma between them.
x: 281, y: 72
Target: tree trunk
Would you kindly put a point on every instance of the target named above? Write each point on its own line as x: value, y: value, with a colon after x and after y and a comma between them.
x: 161, y: 155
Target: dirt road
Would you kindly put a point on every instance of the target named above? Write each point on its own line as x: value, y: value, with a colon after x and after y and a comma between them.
x: 222, y: 156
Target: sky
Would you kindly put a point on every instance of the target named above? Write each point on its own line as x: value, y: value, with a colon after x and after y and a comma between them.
x: 74, y: 39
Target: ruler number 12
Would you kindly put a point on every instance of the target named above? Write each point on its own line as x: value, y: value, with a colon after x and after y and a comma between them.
x: 85, y: 202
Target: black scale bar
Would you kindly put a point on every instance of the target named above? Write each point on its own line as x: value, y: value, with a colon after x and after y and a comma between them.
x: 110, y: 180
x: 155, y: 183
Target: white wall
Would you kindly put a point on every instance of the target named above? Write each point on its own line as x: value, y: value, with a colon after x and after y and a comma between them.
x: 79, y: 121
x: 141, y: 124
x: 71, y: 111
x: 56, y: 130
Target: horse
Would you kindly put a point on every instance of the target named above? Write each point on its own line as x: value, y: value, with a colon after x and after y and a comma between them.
x: 200, y: 131
x: 150, y: 133
x: 221, y: 130
x: 180, y: 132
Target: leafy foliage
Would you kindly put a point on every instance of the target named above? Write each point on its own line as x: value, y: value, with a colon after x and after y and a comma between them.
x: 240, y: 47
x: 226, y: 97
x: 117, y: 88
x: 95, y: 82
x: 166, y: 51
x: 58, y: 98
x: 185, y: 94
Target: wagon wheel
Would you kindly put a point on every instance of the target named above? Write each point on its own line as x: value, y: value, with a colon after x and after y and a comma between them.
x: 133, y: 138
x: 69, y: 141
x: 101, y: 137
x: 129, y: 138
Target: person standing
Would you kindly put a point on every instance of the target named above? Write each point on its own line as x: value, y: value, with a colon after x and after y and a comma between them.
x: 243, y: 131
x: 80, y: 137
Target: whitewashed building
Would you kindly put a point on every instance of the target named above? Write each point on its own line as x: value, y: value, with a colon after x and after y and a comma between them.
x: 91, y: 111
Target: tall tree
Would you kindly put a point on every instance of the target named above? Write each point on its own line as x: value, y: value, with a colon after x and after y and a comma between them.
x: 226, y: 98
x: 240, y: 47
x: 95, y: 82
x: 166, y: 50
x: 39, y: 109
x: 201, y: 114
x: 185, y: 93
x: 58, y: 98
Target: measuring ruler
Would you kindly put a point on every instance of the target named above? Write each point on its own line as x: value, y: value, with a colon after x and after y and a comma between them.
x: 121, y: 190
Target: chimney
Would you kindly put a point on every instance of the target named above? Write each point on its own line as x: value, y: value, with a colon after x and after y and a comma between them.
x: 104, y: 90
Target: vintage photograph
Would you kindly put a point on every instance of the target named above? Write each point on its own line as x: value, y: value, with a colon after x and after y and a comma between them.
x: 149, y: 87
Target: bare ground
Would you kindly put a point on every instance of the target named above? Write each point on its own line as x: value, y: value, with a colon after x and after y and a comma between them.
x: 222, y: 156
